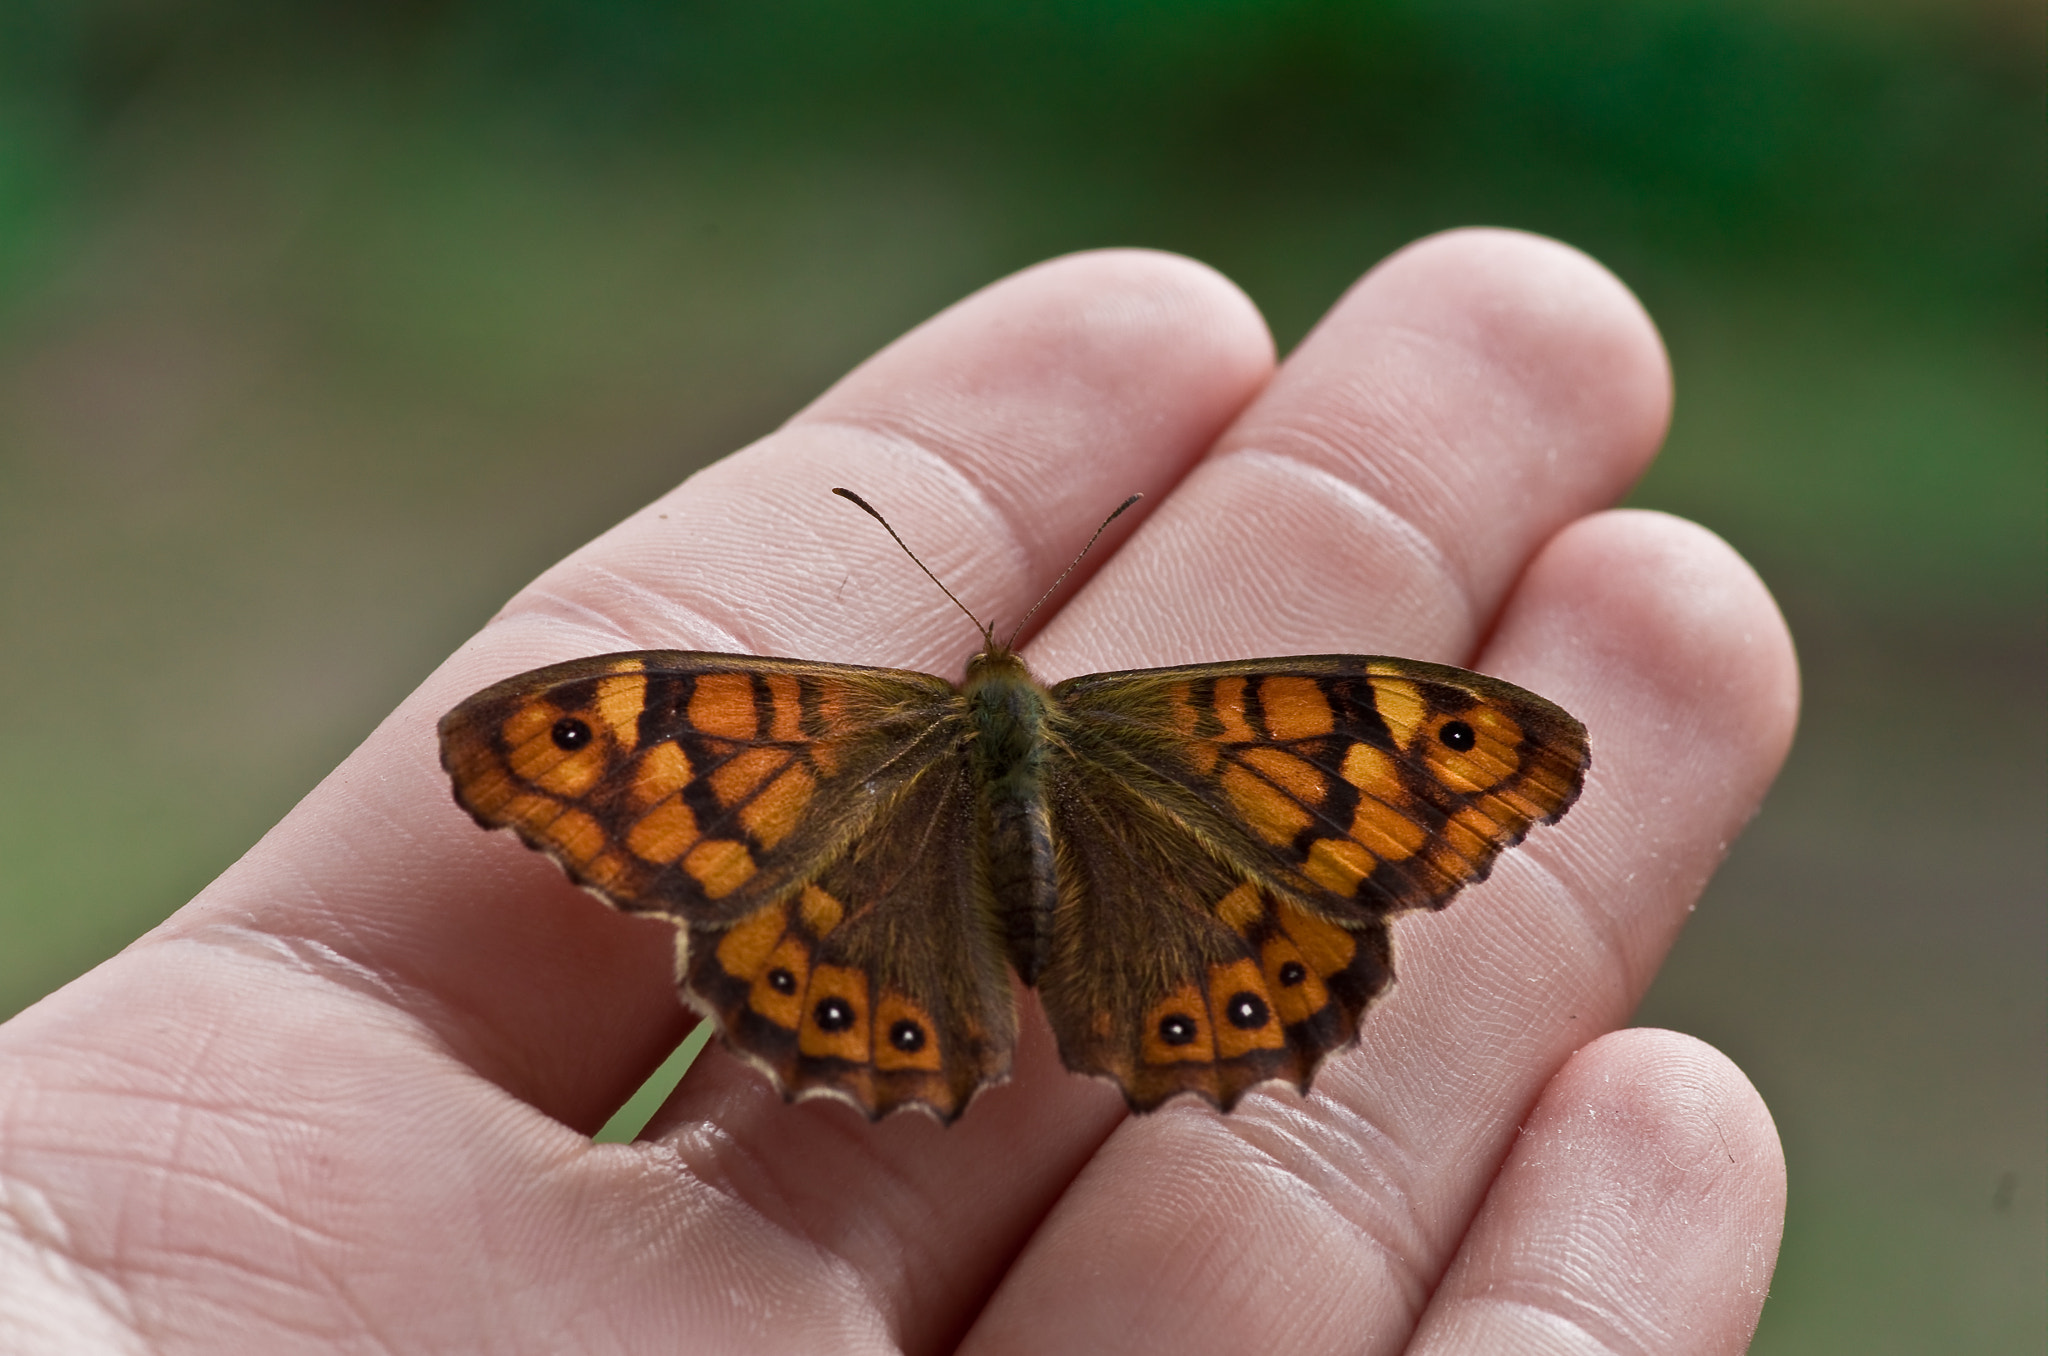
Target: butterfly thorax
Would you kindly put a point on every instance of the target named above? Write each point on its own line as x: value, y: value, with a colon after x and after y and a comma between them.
x: 1006, y: 713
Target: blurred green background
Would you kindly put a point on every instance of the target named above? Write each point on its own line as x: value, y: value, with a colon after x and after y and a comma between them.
x: 298, y: 304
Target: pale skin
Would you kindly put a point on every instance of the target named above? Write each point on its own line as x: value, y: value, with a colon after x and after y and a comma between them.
x: 342, y: 1101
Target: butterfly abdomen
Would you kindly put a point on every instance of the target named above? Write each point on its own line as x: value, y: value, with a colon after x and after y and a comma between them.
x: 1006, y: 721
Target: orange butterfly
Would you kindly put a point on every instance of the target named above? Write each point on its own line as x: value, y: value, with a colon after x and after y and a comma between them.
x: 1195, y: 866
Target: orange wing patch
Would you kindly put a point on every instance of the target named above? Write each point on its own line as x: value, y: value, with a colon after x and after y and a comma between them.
x: 1241, y: 1010
x: 722, y: 706
x: 1295, y: 708
x: 719, y: 866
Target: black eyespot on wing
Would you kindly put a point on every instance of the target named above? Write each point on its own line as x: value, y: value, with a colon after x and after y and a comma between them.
x: 1292, y: 973
x: 1174, y: 1029
x: 1247, y: 1011
x: 907, y: 1036
x: 782, y: 981
x: 833, y: 1014
x: 570, y: 734
x: 1457, y: 736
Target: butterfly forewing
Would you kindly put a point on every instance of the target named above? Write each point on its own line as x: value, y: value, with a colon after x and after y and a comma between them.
x: 687, y: 783
x: 1362, y: 787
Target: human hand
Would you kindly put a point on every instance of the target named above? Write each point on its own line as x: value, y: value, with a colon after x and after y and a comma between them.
x: 343, y: 1099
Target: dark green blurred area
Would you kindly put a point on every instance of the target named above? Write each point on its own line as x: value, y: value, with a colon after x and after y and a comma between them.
x: 301, y: 311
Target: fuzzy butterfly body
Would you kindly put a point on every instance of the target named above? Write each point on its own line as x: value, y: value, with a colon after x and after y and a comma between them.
x: 1194, y: 866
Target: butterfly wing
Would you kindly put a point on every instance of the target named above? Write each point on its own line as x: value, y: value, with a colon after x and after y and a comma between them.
x: 808, y: 826
x: 698, y: 785
x: 1238, y: 835
x: 1169, y: 972
x: 880, y: 983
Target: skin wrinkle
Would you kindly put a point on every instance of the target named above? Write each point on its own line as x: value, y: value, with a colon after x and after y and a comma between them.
x: 669, y: 623
x: 1374, y: 514
x: 960, y: 483
x: 1580, y: 1338
x: 1074, y: 359
x: 51, y: 1242
x: 1332, y: 1139
x: 303, y: 955
x: 1533, y: 872
x: 721, y: 1144
x: 1377, y: 458
x: 1386, y: 439
x: 285, y: 1276
x: 552, y: 615
x: 1621, y: 924
x: 486, y: 1242
x: 1378, y: 532
x: 190, y: 1143
x: 422, y: 1010
x: 1303, y: 1218
x: 752, y: 1176
x: 1576, y: 1290
x: 1518, y: 1020
x: 1509, y: 336
x: 747, y: 628
x: 170, y: 1179
x: 1393, y: 1234
x: 1505, y: 1026
x: 442, y: 1014
x: 1022, y: 560
x: 1635, y: 1100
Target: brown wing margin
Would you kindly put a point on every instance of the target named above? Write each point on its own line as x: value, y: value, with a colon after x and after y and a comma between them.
x: 699, y: 785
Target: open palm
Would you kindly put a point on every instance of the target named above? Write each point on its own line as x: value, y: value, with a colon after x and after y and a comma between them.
x: 343, y: 1100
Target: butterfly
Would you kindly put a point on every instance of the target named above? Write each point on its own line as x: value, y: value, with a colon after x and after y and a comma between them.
x: 1195, y: 867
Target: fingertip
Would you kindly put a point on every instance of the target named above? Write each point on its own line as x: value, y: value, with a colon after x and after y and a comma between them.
x: 1678, y: 1100
x: 1685, y: 1143
x: 1176, y: 296
x: 1487, y: 387
x: 1657, y: 617
x: 1116, y: 323
x: 1640, y: 1210
x: 1554, y: 315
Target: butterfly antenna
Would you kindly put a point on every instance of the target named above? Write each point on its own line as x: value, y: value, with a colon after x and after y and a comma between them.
x: 865, y: 507
x: 1070, y: 568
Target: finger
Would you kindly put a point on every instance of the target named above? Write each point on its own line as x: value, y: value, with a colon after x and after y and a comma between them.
x: 376, y: 928
x: 1324, y: 1225
x: 1467, y: 399
x: 1639, y: 1211
x: 490, y: 945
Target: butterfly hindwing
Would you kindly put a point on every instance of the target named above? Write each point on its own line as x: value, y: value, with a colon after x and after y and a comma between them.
x: 1170, y: 973
x: 874, y: 984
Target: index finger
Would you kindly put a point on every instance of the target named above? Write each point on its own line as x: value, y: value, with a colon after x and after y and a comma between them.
x: 435, y: 1013
x: 1423, y: 478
